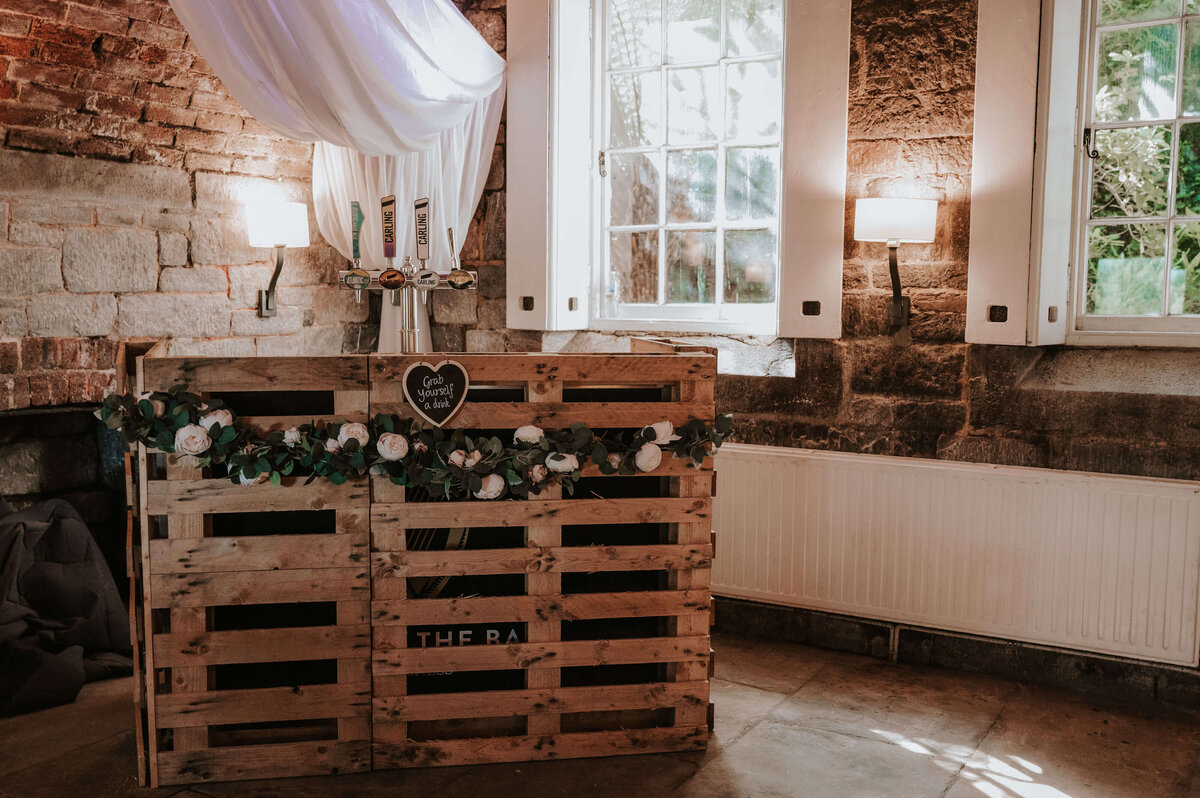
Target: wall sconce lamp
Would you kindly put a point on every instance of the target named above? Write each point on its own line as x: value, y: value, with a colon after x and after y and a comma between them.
x: 895, y: 222
x: 279, y: 225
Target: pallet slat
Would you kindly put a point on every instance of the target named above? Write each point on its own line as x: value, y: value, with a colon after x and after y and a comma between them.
x: 597, y: 415
x: 304, y: 702
x: 497, y: 703
x: 258, y: 587
x: 264, y: 761
x: 258, y: 553
x: 521, y: 749
x: 493, y: 609
x: 391, y: 657
x: 386, y: 517
x: 262, y: 645
x: 539, y: 560
x: 222, y: 496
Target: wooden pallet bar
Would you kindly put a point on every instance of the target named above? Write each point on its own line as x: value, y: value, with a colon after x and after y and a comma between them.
x: 602, y: 597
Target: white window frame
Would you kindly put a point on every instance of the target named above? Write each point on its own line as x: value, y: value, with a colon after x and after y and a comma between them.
x: 550, y: 236
x: 746, y: 319
x: 1027, y: 180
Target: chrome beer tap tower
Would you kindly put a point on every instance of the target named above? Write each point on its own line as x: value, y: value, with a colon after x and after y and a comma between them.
x: 408, y: 285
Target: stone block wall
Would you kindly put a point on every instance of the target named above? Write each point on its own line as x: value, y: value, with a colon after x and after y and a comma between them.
x: 123, y: 166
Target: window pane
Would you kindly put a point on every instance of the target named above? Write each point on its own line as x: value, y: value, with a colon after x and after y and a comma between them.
x: 636, y: 100
x: 691, y: 266
x: 692, y: 104
x: 1187, y: 196
x: 1136, y: 74
x: 1129, y: 178
x: 693, y: 30
x: 634, y: 189
x: 1185, y: 270
x: 1193, y: 6
x: 751, y: 183
x: 1125, y: 269
x: 754, y: 100
x: 1112, y: 11
x: 754, y: 26
x: 634, y: 33
x: 750, y: 262
x: 633, y: 266
x: 1191, y: 68
x: 691, y: 185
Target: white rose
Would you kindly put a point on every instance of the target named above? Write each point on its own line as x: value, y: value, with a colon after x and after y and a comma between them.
x: 332, y: 446
x: 664, y: 432
x: 473, y: 458
x: 492, y: 487
x: 354, y: 430
x: 160, y: 407
x: 538, y: 473
x: 648, y: 457
x: 457, y: 458
x: 255, y: 480
x: 562, y: 463
x: 614, y: 460
x: 391, y: 446
x: 528, y: 434
x: 192, y: 439
x: 291, y: 436
x: 222, y: 417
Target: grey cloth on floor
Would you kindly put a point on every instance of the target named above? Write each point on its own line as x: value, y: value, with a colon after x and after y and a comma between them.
x: 62, y: 621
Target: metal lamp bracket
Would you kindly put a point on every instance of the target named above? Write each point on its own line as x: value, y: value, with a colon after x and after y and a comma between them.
x: 267, y: 304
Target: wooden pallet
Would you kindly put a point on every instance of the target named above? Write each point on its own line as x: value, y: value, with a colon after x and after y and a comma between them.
x: 608, y: 594
x: 278, y: 600
x: 600, y: 669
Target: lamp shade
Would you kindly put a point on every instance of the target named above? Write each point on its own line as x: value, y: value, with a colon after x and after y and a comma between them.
x: 907, y: 221
x: 274, y: 224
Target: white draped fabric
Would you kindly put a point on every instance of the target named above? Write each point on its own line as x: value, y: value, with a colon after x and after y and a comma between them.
x: 451, y: 174
x: 403, y: 97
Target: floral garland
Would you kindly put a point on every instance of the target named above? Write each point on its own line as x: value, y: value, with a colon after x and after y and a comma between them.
x: 452, y: 465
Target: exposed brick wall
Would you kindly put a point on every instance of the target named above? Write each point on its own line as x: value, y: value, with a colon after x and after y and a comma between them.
x: 122, y: 168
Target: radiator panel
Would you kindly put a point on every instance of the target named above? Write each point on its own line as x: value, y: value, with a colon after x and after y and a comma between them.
x: 1093, y: 562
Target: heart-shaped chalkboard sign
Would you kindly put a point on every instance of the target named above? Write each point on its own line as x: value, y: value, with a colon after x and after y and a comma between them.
x: 436, y: 392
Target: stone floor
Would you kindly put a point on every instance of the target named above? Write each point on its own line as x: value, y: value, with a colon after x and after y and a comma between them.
x: 791, y: 721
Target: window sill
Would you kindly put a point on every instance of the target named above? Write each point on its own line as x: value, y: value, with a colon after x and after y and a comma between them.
x: 1159, y: 372
x: 746, y: 356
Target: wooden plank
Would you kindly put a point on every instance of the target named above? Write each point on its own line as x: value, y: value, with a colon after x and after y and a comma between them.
x: 258, y: 587
x: 236, y: 763
x: 188, y: 620
x: 262, y: 645
x: 543, y: 581
x: 267, y: 423
x: 395, y: 753
x: 388, y: 517
x: 222, y: 496
x: 697, y: 579
x: 257, y: 553
x: 499, y: 703
x: 520, y: 368
x: 221, y: 374
x: 142, y: 596
x: 303, y: 702
x: 393, y: 658
x: 509, y: 415
x: 540, y: 560
x: 574, y: 607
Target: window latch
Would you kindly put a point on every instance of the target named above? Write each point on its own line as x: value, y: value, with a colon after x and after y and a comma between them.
x: 1087, y: 144
x: 600, y: 160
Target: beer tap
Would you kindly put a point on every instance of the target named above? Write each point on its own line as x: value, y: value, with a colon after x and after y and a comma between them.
x: 357, y: 278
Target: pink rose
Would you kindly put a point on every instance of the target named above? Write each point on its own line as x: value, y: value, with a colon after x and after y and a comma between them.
x: 192, y: 439
x: 354, y: 430
x: 538, y: 473
x: 222, y: 417
x: 473, y: 458
x: 457, y: 458
x: 392, y: 447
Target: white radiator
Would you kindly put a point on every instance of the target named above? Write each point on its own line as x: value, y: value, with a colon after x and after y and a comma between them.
x: 1085, y: 561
